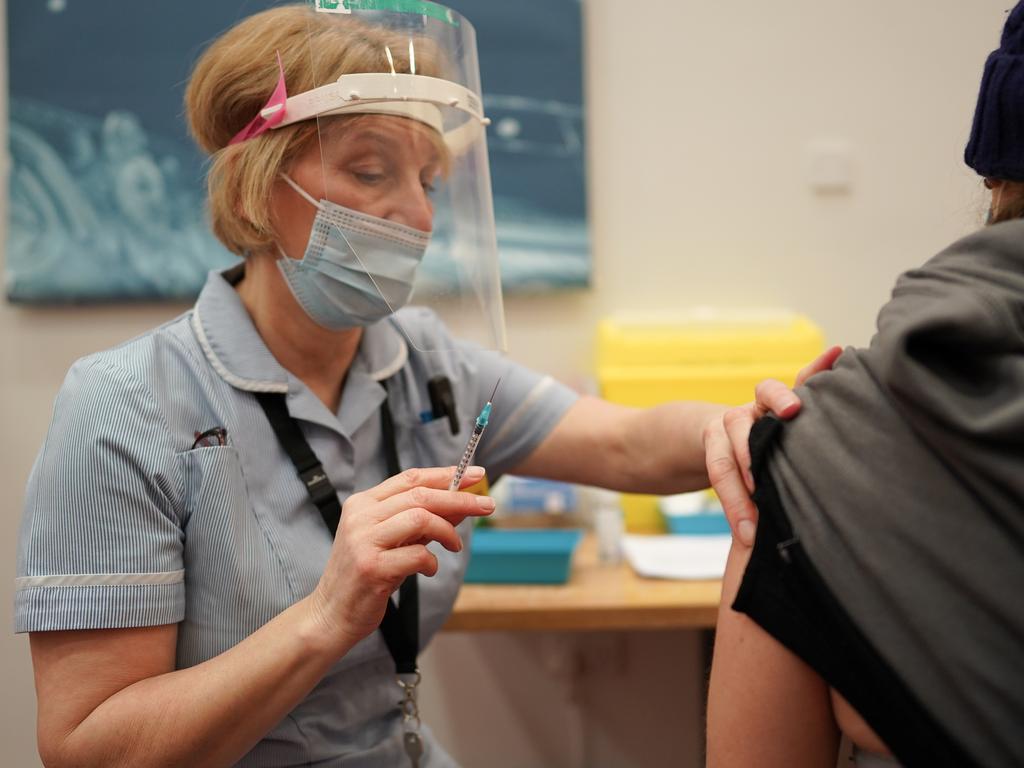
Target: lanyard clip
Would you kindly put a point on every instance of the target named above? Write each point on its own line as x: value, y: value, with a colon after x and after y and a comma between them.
x: 408, y: 704
x: 320, y: 488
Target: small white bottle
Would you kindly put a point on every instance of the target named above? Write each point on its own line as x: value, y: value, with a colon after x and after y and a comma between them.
x: 609, y: 525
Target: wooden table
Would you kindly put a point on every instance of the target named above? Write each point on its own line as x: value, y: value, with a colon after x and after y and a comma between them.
x: 596, y: 597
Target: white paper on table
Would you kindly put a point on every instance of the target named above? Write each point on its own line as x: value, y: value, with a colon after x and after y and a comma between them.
x: 678, y: 556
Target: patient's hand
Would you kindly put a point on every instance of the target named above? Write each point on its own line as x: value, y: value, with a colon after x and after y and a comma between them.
x: 727, y: 452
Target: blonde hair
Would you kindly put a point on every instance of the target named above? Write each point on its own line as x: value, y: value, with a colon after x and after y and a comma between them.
x: 234, y: 78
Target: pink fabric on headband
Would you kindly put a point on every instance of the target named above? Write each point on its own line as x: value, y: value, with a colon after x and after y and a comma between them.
x: 260, y: 124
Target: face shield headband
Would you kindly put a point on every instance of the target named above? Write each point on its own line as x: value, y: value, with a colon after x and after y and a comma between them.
x: 416, y: 61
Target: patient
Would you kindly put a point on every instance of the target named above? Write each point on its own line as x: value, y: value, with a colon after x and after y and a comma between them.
x: 883, y: 594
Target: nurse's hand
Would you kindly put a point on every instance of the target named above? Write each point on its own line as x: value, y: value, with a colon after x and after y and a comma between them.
x: 727, y: 450
x: 382, y: 538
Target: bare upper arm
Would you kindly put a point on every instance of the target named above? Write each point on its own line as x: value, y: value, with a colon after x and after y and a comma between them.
x: 766, y: 707
x: 76, y: 671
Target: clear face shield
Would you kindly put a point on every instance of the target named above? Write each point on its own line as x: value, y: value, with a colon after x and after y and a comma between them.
x: 402, y: 181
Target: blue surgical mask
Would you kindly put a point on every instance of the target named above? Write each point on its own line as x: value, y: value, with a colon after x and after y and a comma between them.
x: 357, y: 268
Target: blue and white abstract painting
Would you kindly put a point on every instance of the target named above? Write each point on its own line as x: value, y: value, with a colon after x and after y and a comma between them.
x: 106, y: 189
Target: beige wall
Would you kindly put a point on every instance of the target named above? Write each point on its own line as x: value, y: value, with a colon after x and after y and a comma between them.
x: 701, y: 116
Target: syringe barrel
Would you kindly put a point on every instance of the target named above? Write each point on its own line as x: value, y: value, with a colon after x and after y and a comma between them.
x: 467, y: 456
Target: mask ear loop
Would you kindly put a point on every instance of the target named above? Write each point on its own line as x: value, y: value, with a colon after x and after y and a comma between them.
x: 309, y: 198
x: 319, y: 206
x: 291, y: 183
x: 312, y: 201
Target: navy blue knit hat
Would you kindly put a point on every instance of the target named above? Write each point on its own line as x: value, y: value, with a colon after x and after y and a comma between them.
x: 996, y: 147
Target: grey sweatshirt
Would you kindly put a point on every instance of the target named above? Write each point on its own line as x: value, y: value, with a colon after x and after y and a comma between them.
x: 903, y: 477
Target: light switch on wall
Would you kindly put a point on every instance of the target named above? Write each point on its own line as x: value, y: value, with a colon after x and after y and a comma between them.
x: 830, y: 167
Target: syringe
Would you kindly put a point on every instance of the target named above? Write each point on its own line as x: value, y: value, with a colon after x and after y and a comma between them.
x: 474, y: 440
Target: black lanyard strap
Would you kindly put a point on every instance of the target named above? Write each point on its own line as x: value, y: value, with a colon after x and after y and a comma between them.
x: 401, y: 624
x: 307, y: 465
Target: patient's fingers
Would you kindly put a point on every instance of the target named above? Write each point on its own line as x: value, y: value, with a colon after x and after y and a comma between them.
x: 771, y: 395
x: 738, y: 422
x: 822, y: 362
x: 727, y: 479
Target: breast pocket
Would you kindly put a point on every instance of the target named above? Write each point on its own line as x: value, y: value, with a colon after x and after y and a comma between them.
x: 435, y: 444
x: 233, y: 582
x: 213, y: 481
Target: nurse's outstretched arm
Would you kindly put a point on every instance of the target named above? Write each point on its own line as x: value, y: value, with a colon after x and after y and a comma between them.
x: 671, y: 448
x: 660, y: 449
x: 652, y: 450
x: 112, y: 697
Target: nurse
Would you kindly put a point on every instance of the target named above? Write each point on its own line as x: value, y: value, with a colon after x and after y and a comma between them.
x: 238, y: 533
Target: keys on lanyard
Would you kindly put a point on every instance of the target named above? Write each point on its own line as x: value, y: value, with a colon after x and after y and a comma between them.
x: 413, y: 748
x: 411, y: 718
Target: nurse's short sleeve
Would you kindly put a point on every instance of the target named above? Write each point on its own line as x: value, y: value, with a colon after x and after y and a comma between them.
x: 527, y: 407
x: 101, y: 541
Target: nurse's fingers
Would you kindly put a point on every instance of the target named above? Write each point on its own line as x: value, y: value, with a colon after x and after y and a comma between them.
x: 397, y: 564
x: 728, y: 483
x: 447, y: 504
x: 822, y: 362
x: 424, y: 477
x: 416, y: 526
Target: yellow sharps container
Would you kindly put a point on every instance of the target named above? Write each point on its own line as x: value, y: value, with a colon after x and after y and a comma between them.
x: 702, y: 354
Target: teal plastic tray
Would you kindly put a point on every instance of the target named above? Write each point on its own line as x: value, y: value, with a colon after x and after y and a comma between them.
x: 542, y: 556
x: 703, y: 524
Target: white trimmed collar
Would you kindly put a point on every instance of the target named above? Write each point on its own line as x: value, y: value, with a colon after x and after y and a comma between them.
x: 238, y: 354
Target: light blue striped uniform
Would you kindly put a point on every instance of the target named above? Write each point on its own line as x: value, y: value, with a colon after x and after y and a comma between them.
x: 126, y: 526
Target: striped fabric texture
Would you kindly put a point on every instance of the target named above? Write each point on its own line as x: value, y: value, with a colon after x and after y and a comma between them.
x: 127, y: 525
